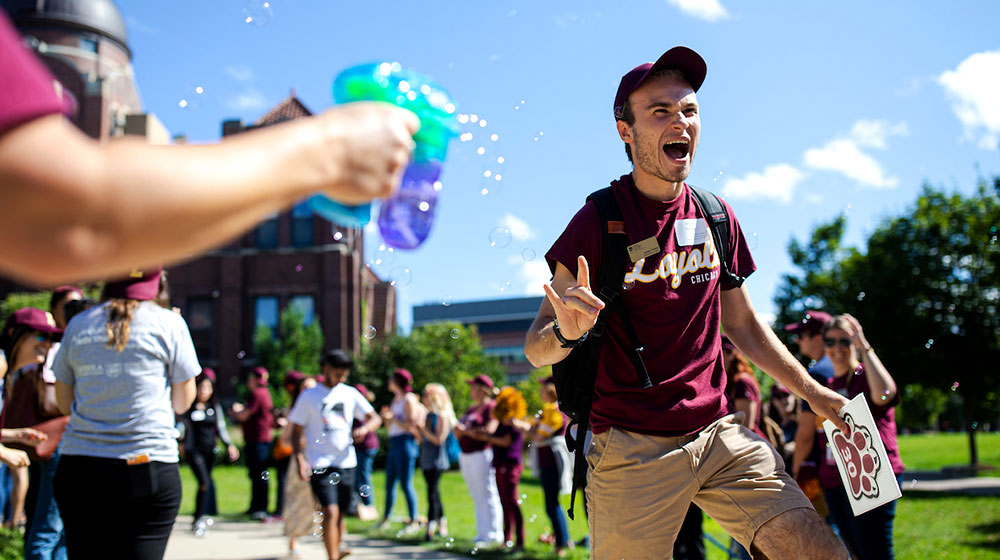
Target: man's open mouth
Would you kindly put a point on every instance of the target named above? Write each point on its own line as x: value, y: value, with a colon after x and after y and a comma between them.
x: 677, y: 149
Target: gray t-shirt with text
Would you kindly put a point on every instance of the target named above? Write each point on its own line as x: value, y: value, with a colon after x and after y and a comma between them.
x: 121, y: 400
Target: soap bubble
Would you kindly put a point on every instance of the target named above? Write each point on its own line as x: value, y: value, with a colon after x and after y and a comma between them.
x: 265, y: 475
x: 861, y: 296
x: 241, y: 354
x: 954, y: 386
x: 257, y: 12
x: 446, y: 300
x: 400, y: 276
x: 500, y: 237
x: 370, y: 332
x: 528, y: 254
x: 334, y: 479
x: 365, y: 490
x: 455, y: 334
x: 929, y: 343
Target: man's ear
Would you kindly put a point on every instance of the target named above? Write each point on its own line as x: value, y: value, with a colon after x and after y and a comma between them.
x: 624, y: 131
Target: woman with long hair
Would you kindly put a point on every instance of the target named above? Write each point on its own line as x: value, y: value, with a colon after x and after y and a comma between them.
x: 434, y: 453
x: 858, y: 370
x: 742, y: 387
x: 28, y: 399
x: 126, y: 367
x: 204, y: 423
x: 555, y: 469
x: 508, y: 443
x: 401, y: 418
x: 476, y: 459
x: 300, y: 504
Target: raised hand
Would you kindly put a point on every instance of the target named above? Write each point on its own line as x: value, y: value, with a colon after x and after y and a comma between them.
x: 857, y: 334
x: 578, y: 307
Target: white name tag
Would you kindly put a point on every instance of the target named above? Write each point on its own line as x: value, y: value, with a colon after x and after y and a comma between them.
x: 692, y: 231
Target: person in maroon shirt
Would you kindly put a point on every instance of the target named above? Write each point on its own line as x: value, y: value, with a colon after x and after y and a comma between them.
x: 109, y: 207
x: 476, y: 459
x: 676, y: 442
x: 257, y: 417
x: 869, y: 535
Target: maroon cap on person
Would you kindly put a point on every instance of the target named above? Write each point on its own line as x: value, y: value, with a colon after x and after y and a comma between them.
x: 690, y: 63
x: 259, y: 372
x: 142, y: 285
x: 813, y: 322
x: 34, y: 318
x: 481, y: 379
x: 208, y: 373
x: 60, y: 292
x: 294, y: 376
x: 403, y: 378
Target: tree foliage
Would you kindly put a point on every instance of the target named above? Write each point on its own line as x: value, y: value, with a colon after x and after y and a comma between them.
x: 927, y: 292
x: 447, y: 353
x: 298, y: 347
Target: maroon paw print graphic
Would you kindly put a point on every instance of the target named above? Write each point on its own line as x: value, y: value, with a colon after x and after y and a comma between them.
x: 859, y: 457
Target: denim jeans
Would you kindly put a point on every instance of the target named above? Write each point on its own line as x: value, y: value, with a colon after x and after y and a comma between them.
x: 869, y: 535
x: 399, y: 466
x: 257, y: 455
x: 46, y: 540
x: 366, y: 458
x: 550, y: 487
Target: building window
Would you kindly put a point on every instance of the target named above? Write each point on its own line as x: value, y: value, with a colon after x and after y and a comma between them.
x: 201, y: 320
x: 305, y: 304
x: 265, y: 312
x: 302, y: 225
x: 266, y: 236
x: 88, y: 44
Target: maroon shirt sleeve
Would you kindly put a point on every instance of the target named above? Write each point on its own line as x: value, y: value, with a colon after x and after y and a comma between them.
x: 26, y: 86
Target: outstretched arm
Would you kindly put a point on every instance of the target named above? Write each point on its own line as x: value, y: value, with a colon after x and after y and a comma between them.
x: 762, y: 347
x: 108, y: 208
x: 570, y: 301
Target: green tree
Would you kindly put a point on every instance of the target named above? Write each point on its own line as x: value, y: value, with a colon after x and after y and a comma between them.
x: 926, y: 291
x: 447, y: 353
x: 298, y: 346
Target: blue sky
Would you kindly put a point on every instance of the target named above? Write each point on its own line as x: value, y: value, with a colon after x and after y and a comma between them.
x: 809, y: 109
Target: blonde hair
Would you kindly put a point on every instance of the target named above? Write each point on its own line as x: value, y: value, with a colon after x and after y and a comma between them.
x: 440, y: 402
x: 119, y: 322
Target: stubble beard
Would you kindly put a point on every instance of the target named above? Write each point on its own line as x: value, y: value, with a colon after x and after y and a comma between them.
x: 647, y: 159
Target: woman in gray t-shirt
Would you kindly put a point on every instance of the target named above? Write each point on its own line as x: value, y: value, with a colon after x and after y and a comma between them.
x: 125, y: 368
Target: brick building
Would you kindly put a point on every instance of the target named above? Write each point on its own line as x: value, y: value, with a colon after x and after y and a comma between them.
x: 502, y: 326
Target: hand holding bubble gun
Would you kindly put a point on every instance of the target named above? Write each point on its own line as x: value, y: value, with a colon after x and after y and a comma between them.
x: 405, y: 218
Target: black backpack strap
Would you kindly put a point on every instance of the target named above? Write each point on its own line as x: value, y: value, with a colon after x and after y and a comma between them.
x: 718, y: 221
x: 614, y: 260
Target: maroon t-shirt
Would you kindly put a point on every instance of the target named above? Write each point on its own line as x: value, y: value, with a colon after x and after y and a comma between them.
x: 26, y: 88
x: 745, y: 387
x: 258, y: 427
x: 477, y: 416
x: 673, y: 301
x: 884, y: 413
x: 510, y: 455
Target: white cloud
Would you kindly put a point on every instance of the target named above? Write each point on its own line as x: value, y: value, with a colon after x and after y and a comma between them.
x: 135, y: 24
x: 248, y: 100
x: 708, y: 10
x: 873, y: 134
x: 519, y: 229
x: 240, y: 73
x: 776, y: 181
x: 531, y: 273
x: 973, y: 88
x: 843, y: 156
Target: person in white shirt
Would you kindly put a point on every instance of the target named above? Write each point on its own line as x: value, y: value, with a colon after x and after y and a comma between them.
x: 323, y: 415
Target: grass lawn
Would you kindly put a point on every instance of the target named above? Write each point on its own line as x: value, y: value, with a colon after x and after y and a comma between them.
x: 931, y: 452
x: 927, y: 525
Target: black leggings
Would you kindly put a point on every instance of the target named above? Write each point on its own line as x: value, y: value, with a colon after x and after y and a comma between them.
x: 435, y: 511
x: 202, y: 462
x: 113, y: 510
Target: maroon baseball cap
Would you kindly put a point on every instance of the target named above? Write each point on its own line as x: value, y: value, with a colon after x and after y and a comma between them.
x: 259, y: 372
x: 813, y: 322
x: 481, y: 379
x: 690, y: 63
x: 208, y: 373
x: 36, y: 319
x: 142, y: 285
x: 403, y: 379
x: 294, y: 376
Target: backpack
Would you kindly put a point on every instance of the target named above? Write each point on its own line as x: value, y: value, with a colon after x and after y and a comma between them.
x: 576, y: 374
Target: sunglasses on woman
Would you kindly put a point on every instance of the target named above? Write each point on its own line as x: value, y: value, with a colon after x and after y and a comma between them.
x: 43, y: 337
x: 843, y: 342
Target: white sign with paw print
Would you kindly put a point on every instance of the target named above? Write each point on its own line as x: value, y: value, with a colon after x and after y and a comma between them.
x: 861, y: 458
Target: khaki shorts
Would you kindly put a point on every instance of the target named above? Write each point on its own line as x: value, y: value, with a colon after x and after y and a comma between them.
x: 639, y: 487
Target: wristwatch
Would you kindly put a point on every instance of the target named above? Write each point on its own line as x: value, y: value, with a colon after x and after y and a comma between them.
x: 565, y: 342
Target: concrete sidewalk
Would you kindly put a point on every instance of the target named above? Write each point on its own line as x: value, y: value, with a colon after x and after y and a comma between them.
x: 937, y: 482
x: 246, y: 540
